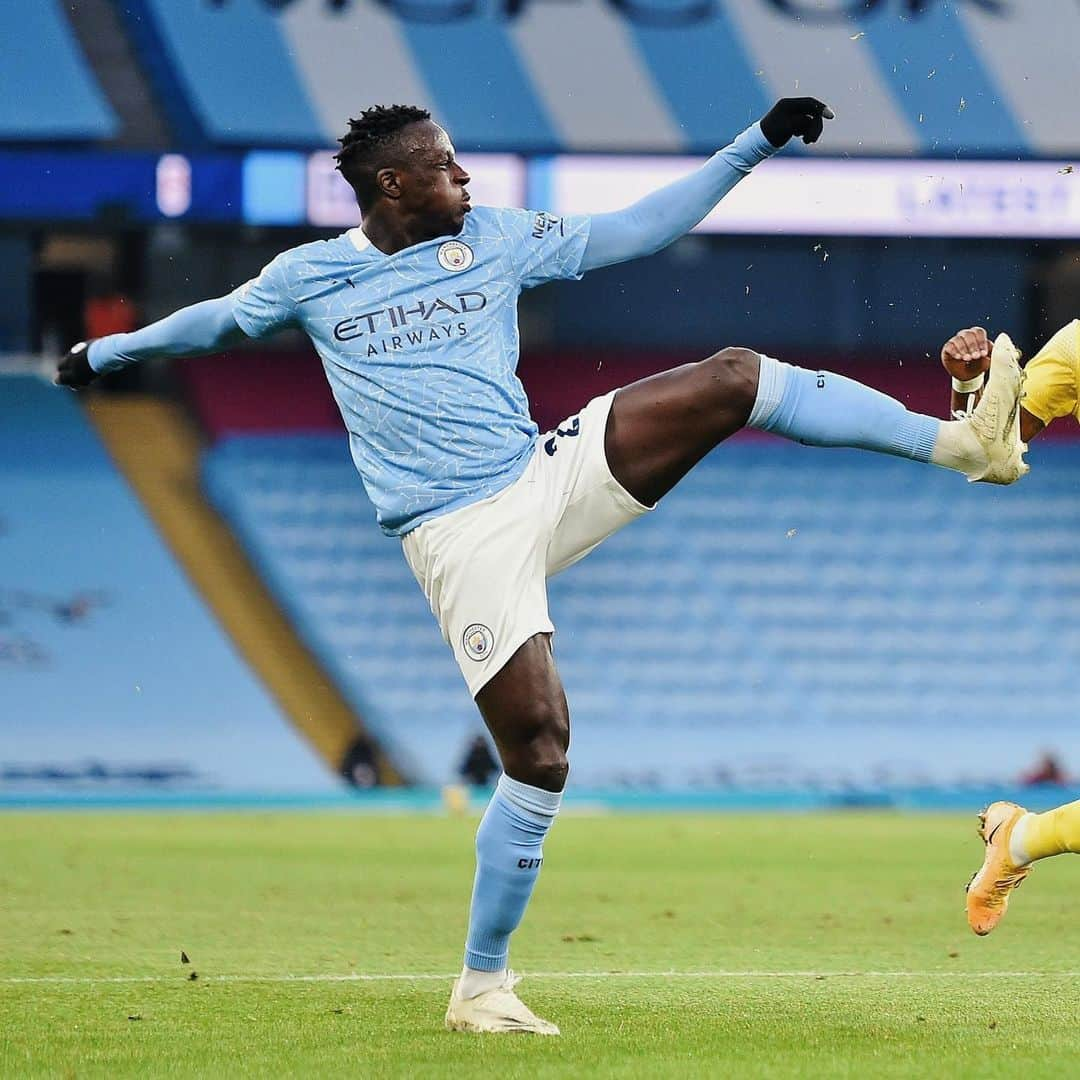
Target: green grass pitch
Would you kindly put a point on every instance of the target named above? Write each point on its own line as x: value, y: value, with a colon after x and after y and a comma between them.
x: 756, y: 946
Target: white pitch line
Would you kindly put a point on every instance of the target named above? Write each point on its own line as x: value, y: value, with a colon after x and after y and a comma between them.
x: 78, y: 980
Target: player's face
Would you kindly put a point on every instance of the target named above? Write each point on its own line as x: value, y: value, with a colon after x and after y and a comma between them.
x: 433, y: 185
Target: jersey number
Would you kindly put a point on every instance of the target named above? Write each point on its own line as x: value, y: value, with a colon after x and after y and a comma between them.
x: 563, y: 433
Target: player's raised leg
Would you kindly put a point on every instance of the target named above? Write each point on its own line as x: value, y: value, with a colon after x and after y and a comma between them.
x: 1014, y: 840
x: 525, y: 709
x: 661, y: 426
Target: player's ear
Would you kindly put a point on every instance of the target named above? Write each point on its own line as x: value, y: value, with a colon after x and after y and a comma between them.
x: 388, y: 182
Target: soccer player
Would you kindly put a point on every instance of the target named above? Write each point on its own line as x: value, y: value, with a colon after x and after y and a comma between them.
x: 1015, y: 838
x: 414, y: 314
x: 1051, y: 380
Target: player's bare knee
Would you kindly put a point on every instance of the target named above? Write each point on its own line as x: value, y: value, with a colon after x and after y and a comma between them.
x: 731, y: 377
x: 538, y: 765
x: 548, y: 773
x: 544, y: 756
x: 538, y: 752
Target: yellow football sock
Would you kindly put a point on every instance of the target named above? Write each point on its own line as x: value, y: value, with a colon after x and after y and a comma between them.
x: 1052, y: 833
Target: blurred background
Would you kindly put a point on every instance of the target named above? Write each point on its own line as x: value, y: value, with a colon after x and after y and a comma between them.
x: 195, y: 601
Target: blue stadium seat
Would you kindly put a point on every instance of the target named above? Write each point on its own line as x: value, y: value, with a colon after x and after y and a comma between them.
x: 204, y: 60
x: 115, y: 679
x: 47, y: 90
x: 788, y: 617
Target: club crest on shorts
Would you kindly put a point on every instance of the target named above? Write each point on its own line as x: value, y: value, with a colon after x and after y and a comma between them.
x: 455, y: 256
x: 478, y: 641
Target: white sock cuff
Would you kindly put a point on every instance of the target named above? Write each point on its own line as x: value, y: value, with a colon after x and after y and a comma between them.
x: 535, y: 800
x: 1017, y: 851
x: 772, y: 380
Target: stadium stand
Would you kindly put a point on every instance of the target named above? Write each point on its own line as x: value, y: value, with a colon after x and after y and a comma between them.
x: 785, y: 619
x: 157, y: 447
x: 205, y: 58
x: 593, y: 75
x: 120, y: 69
x: 47, y: 91
x: 113, y: 675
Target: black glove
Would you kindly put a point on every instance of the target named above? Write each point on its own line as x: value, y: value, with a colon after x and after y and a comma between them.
x: 74, y: 370
x: 803, y: 116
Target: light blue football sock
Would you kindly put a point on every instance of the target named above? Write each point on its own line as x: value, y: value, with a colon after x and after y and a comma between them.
x: 818, y: 408
x: 509, y: 854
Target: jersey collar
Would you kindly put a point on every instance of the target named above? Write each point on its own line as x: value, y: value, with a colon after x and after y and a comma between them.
x: 359, y: 240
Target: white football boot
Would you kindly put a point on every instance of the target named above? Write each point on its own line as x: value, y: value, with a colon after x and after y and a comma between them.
x: 995, y: 422
x: 498, y: 1010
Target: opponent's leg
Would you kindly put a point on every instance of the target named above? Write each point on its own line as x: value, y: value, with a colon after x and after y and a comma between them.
x: 661, y: 426
x: 1014, y: 840
x: 525, y: 709
x: 1038, y: 836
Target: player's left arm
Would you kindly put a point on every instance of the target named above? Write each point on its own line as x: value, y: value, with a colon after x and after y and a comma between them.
x: 663, y: 216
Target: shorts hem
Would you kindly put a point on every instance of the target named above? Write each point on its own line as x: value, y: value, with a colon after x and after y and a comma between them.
x: 1045, y: 416
x: 503, y: 656
x: 629, y: 502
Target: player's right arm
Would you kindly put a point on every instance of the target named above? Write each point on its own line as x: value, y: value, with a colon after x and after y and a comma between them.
x: 256, y: 309
x: 1052, y: 376
x: 192, y: 331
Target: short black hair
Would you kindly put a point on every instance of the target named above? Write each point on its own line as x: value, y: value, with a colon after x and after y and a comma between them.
x: 374, y: 130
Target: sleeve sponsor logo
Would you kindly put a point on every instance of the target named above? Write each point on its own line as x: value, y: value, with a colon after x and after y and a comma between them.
x: 544, y: 223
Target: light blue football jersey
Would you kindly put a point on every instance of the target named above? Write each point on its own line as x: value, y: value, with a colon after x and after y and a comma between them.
x: 421, y: 350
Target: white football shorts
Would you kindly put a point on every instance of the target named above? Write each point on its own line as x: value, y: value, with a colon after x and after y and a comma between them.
x: 484, y: 568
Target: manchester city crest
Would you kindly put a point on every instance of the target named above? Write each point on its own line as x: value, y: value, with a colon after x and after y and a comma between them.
x: 478, y: 641
x: 455, y: 256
